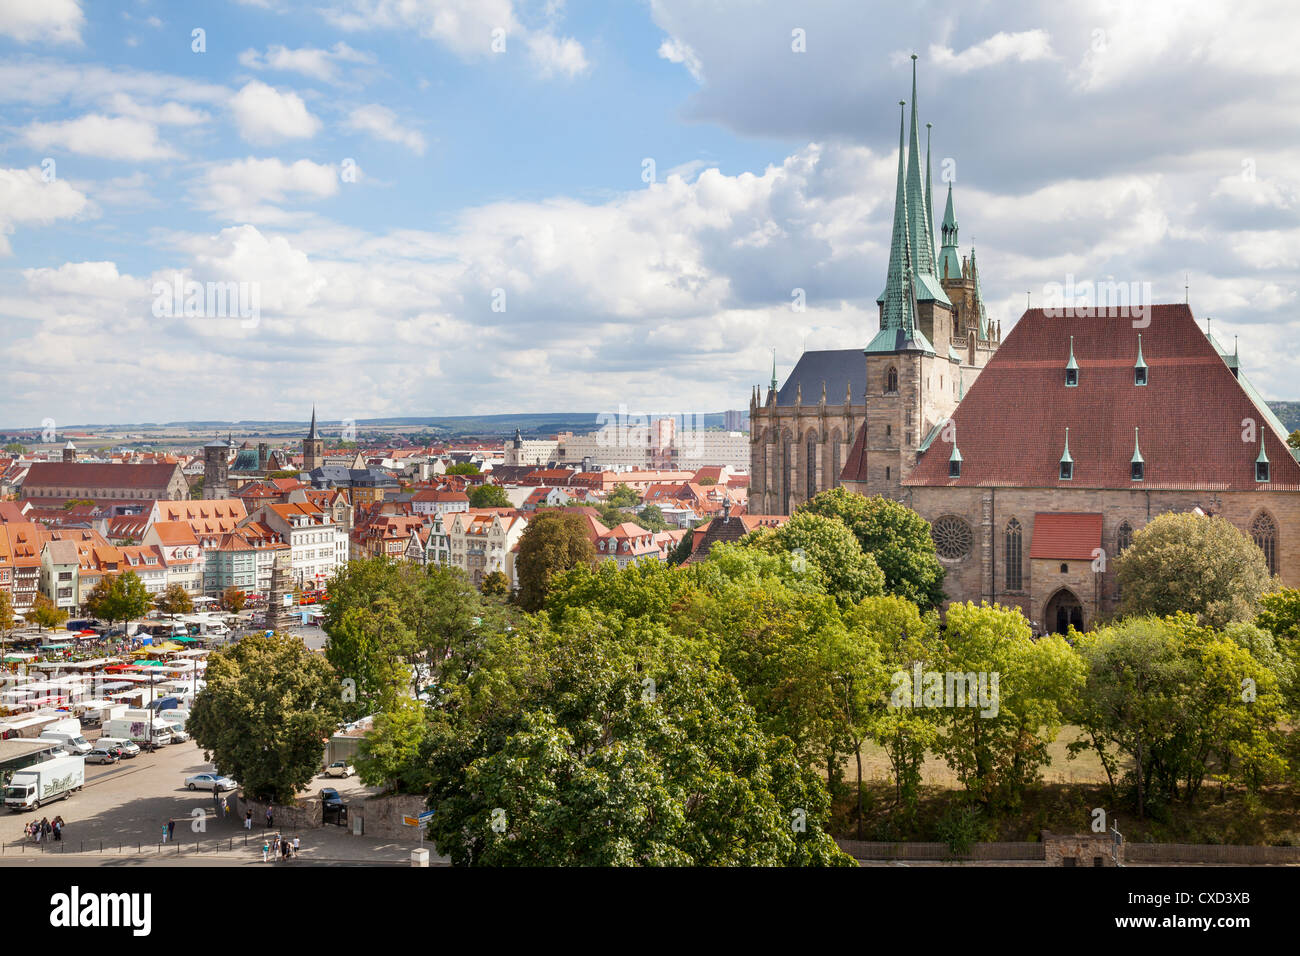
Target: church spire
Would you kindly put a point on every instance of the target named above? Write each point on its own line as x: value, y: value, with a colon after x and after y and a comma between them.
x: 920, y: 233
x: 949, y: 266
x: 774, y: 370
x: 311, y: 433
x: 898, y: 311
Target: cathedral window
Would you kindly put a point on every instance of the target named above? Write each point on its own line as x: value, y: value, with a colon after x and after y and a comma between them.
x: 835, y: 461
x: 810, y: 465
x: 1263, y: 530
x: 1123, y: 537
x: 891, y: 381
x: 952, y: 537
x: 1012, y: 541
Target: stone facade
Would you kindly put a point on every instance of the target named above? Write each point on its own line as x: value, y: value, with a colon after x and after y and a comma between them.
x: 982, y: 573
x: 1083, y: 849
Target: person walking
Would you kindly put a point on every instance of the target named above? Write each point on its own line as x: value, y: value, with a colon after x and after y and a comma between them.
x: 296, y: 846
x: 57, y: 827
x: 164, y: 833
x: 248, y: 820
x: 269, y: 818
x: 266, y: 848
x: 171, y: 829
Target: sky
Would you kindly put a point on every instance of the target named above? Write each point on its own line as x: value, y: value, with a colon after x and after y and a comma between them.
x: 444, y: 207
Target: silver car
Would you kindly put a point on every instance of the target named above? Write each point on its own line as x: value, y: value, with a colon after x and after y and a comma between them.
x: 210, y: 781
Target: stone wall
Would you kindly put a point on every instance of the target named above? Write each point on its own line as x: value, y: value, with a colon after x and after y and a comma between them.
x: 305, y: 814
x: 981, y: 574
x: 1081, y: 849
x: 383, y: 816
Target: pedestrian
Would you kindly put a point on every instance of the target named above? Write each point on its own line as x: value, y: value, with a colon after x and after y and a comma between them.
x: 57, y: 825
x: 248, y: 820
x: 284, y: 848
x: 38, y: 833
x: 171, y: 829
x: 164, y: 833
x: 296, y: 845
x: 269, y: 818
x: 266, y: 848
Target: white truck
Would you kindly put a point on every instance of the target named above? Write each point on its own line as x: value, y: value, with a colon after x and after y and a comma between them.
x: 66, y: 733
x: 137, y: 731
x: 40, y: 783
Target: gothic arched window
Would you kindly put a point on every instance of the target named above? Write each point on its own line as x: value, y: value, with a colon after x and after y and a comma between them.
x: 891, y: 380
x: 810, y: 465
x: 1123, y: 537
x: 1264, y: 532
x: 1012, y: 540
x: 786, y: 447
x: 836, y: 466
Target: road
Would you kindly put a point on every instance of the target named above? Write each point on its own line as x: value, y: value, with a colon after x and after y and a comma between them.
x: 121, y: 812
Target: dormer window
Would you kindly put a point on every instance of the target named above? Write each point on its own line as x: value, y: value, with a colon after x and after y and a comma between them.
x: 1071, y: 368
x: 1137, y: 467
x: 1261, y: 464
x: 1067, y: 463
x: 1140, y: 368
x: 954, y: 463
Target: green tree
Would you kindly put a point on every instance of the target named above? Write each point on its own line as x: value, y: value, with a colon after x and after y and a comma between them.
x: 120, y: 597
x: 15, y: 448
x: 467, y: 468
x: 233, y: 599
x: 488, y: 496
x: 1193, y: 563
x: 704, y: 482
x: 995, y: 734
x: 552, y: 542
x: 683, y: 549
x: 196, y: 489
x: 388, y: 754
x: 1293, y: 439
x: 175, y: 600
x: 895, y: 536
x: 44, y: 614
x: 496, y: 584
x: 623, y: 497
x: 6, y: 618
x: 652, y: 519
x: 600, y: 762
x: 827, y: 551
x: 268, y: 706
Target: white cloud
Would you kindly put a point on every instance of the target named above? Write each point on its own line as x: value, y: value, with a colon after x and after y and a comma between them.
x: 52, y: 21
x: 381, y: 123
x: 248, y: 190
x: 25, y: 197
x: 468, y: 28
x: 675, y: 51
x: 557, y: 55
x: 106, y: 137
x: 316, y: 63
x: 265, y: 115
x: 1023, y: 47
x: 164, y: 113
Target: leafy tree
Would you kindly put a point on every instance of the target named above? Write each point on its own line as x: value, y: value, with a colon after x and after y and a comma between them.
x: 652, y: 519
x: 120, y: 597
x: 1169, y: 694
x: 623, y: 497
x: 15, y: 448
x: 44, y: 614
x: 234, y: 599
x: 6, y: 616
x: 599, y: 761
x: 488, y: 496
x: 554, y: 541
x: 269, y: 705
x: 1193, y: 563
x: 1293, y: 439
x: 467, y: 468
x: 175, y: 600
x: 196, y: 489
x: 388, y: 754
x: 704, y: 482
x: 683, y: 548
x: 1016, y: 690
x: 74, y: 502
x: 895, y: 536
x: 825, y: 549
x: 496, y: 584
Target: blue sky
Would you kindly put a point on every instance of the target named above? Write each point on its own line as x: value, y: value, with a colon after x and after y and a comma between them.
x: 498, y: 249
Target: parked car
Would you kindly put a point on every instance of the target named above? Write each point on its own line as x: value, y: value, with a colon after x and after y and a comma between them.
x: 340, y: 768
x: 330, y: 797
x: 210, y: 781
x: 104, y: 755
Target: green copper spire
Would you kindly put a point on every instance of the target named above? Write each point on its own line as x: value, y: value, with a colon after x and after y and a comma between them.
x: 1137, y: 451
x: 949, y: 266
x: 920, y: 232
x: 929, y: 208
x: 898, y: 310
x: 774, y: 370
x: 979, y: 293
x: 1072, y: 364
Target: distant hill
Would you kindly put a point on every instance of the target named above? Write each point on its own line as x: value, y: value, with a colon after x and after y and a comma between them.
x: 1289, y: 412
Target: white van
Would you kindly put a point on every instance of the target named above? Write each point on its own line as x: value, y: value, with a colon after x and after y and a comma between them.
x: 72, y: 743
x: 129, y: 748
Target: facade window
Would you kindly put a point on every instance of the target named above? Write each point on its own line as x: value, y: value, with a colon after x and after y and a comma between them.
x: 1140, y: 375
x: 891, y: 381
x: 1123, y: 537
x: 889, y: 430
x: 1067, y: 470
x: 810, y: 465
x: 836, y: 468
x: 1261, y: 471
x: 1071, y: 377
x: 1264, y: 532
x: 952, y: 537
x: 785, y: 475
x: 1137, y: 470
x: 886, y: 473
x: 1012, y: 540
x: 954, y: 468
x: 1065, y: 569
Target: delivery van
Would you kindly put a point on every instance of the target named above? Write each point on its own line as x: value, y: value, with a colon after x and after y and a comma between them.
x: 138, y: 731
x: 40, y: 783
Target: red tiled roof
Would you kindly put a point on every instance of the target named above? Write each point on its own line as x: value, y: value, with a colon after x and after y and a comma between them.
x: 62, y: 474
x: 1010, y: 427
x: 1066, y: 536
